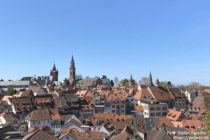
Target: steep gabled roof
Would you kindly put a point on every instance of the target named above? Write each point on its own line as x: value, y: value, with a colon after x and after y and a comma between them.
x: 41, y: 135
x: 161, y: 93
x: 44, y: 114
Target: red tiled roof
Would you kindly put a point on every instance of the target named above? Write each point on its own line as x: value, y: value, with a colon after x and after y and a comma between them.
x: 161, y: 93
x: 40, y: 135
x: 139, y: 108
x: 192, y: 125
x: 173, y: 115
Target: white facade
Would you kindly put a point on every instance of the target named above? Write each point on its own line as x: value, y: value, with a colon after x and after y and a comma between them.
x: 17, y: 85
x: 116, y: 106
x: 54, y: 125
x: 2, y: 121
x: 154, y: 109
x: 190, y: 96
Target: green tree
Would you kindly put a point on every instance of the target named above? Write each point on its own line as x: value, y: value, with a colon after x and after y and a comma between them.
x: 11, y: 90
x: 124, y: 82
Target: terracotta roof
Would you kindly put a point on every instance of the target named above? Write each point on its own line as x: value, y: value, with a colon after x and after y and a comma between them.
x: 139, y: 108
x: 40, y: 135
x: 192, y: 125
x: 138, y: 95
x: 92, y: 135
x: 178, y: 124
x: 165, y: 121
x: 44, y: 114
x: 119, y: 125
x: 40, y: 114
x: 22, y: 104
x: 145, y: 92
x: 111, y: 117
x: 161, y: 93
x: 113, y: 96
x: 173, y: 115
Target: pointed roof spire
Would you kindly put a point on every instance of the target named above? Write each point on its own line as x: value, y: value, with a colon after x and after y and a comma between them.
x: 54, y: 67
x: 131, y: 77
x: 150, y: 78
x: 72, y: 61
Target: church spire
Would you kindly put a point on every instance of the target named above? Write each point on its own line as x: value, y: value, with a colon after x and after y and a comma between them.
x: 131, y: 81
x: 72, y: 61
x: 150, y: 78
x: 54, y: 67
x: 72, y: 70
x: 54, y: 73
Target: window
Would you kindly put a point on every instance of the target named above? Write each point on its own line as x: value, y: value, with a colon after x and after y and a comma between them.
x: 113, y: 111
x: 164, y: 114
x: 164, y: 108
x: 158, y: 114
x: 122, y: 111
x: 152, y: 114
x: 152, y: 108
x: 157, y: 108
x: 113, y: 106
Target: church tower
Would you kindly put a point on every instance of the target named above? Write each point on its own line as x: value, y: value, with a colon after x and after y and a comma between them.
x: 131, y: 81
x: 54, y: 73
x: 72, y: 71
x: 151, y: 80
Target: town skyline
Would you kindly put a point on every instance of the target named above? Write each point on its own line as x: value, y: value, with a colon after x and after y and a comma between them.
x: 170, y: 39
x: 104, y: 70
x: 138, y: 81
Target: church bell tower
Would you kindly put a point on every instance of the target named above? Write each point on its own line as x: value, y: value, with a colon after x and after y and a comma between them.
x: 72, y: 70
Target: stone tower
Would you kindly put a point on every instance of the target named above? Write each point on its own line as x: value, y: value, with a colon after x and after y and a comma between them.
x: 54, y: 73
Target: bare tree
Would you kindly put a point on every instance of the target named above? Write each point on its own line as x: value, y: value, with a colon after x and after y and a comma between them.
x: 194, y: 85
x: 145, y: 81
x: 116, y: 81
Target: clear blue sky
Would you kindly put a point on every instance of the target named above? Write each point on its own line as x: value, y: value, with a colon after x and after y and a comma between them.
x: 170, y: 38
